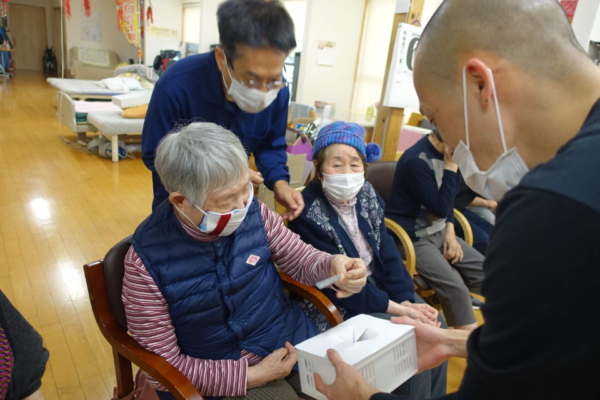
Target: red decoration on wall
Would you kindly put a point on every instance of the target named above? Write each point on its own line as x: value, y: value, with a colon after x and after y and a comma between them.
x: 569, y: 6
x: 149, y: 16
x: 86, y: 7
x: 67, y: 7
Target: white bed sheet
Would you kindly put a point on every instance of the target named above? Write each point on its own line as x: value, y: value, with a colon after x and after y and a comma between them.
x: 81, y: 87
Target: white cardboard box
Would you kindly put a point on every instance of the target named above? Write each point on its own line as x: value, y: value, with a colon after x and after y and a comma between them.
x: 385, y: 353
x: 132, y: 99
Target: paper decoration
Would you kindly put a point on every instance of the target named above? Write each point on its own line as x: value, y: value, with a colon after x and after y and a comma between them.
x: 569, y: 6
x: 128, y: 13
x: 400, y: 90
x: 67, y: 8
x: 90, y: 27
x: 326, y: 53
x: 163, y: 32
x: 87, y: 8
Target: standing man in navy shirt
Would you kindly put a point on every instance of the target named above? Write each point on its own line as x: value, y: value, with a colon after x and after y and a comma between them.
x: 239, y: 86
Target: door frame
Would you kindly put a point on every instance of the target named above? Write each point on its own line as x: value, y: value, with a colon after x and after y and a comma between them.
x: 11, y: 7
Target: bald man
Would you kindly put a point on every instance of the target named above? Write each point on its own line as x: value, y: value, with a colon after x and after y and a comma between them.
x: 516, y: 99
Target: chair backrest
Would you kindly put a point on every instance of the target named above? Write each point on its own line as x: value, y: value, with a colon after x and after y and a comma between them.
x: 381, y: 176
x: 114, y: 270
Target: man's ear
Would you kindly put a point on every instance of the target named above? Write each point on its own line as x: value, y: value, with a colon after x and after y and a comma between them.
x: 220, y: 57
x: 478, y: 72
x: 177, y: 199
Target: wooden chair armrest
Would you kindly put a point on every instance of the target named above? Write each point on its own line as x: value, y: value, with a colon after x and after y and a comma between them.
x: 466, y: 226
x: 314, y: 296
x: 156, y: 366
x: 411, y: 260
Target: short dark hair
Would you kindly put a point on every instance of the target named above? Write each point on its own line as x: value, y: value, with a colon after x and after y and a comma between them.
x: 256, y: 23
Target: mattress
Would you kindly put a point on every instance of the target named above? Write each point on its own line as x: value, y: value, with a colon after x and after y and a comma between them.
x: 81, y: 87
x: 112, y: 123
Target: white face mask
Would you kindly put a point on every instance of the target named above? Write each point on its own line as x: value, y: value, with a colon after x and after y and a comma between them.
x: 216, y: 224
x: 343, y: 187
x: 507, y: 171
x: 249, y: 100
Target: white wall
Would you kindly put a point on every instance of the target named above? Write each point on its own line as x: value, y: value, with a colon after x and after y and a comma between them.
x: 297, y: 10
x: 375, y: 46
x: 47, y: 4
x: 167, y: 14
x: 374, y: 53
x: 191, y: 24
x: 209, y: 32
x: 429, y: 9
x: 339, y: 21
x: 112, y: 39
x: 586, y: 14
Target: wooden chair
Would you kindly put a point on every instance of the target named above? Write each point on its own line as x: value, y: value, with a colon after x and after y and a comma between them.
x: 381, y: 176
x: 105, y: 283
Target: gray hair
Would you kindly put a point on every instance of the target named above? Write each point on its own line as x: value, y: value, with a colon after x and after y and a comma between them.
x: 199, y: 159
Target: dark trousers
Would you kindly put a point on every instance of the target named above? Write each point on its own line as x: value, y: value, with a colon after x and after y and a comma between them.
x: 481, y: 230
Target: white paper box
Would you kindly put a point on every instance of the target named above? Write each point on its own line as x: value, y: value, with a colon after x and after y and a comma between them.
x: 385, y: 353
x: 132, y: 99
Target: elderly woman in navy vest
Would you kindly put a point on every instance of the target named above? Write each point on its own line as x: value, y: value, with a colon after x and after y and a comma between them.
x: 345, y: 215
x: 201, y: 288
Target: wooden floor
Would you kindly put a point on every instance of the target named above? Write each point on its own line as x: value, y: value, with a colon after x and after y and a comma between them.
x: 59, y: 209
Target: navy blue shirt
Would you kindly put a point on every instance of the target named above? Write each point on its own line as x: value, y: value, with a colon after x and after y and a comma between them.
x: 191, y: 91
x: 541, y: 337
x: 422, y: 197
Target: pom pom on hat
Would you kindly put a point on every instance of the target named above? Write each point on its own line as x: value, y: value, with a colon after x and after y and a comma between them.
x: 373, y: 152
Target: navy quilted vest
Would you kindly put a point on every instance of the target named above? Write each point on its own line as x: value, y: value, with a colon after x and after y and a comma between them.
x: 219, y: 303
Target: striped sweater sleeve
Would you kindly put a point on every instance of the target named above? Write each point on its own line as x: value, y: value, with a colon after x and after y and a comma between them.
x: 299, y: 260
x: 149, y: 323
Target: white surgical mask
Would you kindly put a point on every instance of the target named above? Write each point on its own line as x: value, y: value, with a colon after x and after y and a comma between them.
x: 217, y: 224
x: 249, y: 100
x: 503, y: 175
x: 343, y: 187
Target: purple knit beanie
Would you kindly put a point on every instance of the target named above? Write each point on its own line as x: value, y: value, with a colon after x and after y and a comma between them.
x: 346, y: 133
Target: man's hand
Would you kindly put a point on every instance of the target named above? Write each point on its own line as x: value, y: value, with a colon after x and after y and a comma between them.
x: 452, y: 250
x: 449, y: 162
x: 352, y: 272
x: 290, y: 198
x: 349, y: 383
x: 256, y: 178
x: 276, y: 365
x: 436, y: 345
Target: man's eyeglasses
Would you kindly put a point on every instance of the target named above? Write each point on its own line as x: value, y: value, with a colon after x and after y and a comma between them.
x: 252, y: 84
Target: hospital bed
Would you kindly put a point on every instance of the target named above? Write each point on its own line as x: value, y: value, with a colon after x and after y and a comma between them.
x: 107, y: 121
x: 82, y: 89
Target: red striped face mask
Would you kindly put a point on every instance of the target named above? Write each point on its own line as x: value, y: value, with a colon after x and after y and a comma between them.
x: 216, y: 224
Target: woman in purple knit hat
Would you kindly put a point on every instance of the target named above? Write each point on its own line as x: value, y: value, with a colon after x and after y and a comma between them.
x: 343, y: 214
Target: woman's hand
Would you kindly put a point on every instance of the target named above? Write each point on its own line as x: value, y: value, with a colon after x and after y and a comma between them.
x: 352, y: 272
x: 275, y: 366
x: 408, y: 309
x: 452, y: 250
x: 449, y: 162
x: 481, y: 202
